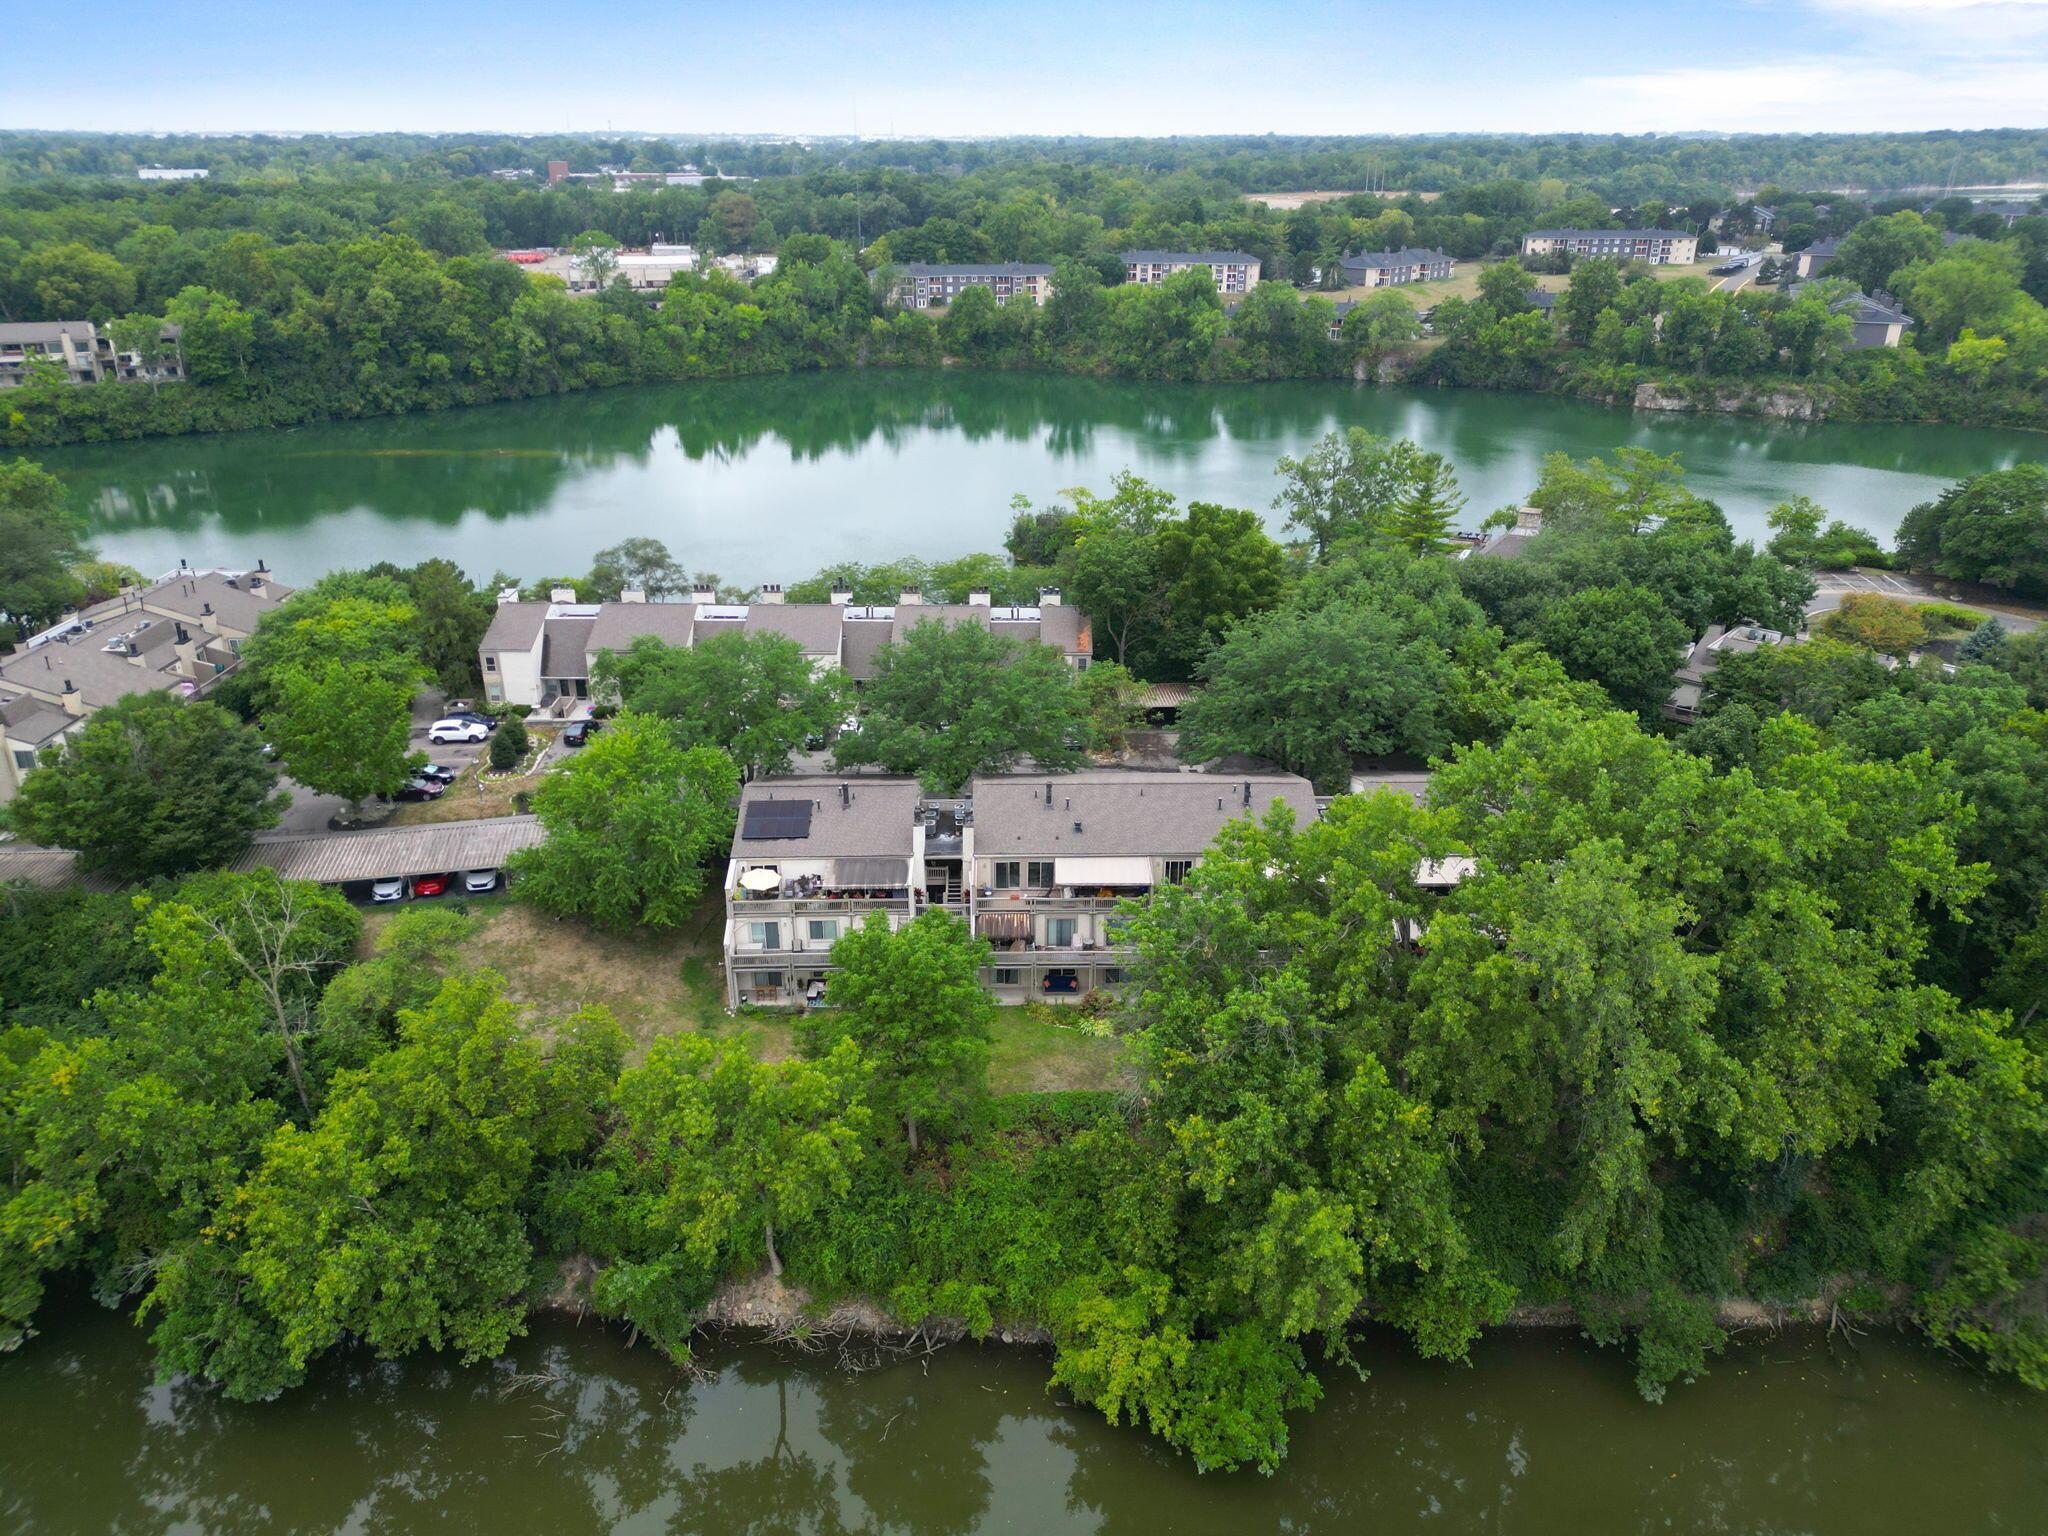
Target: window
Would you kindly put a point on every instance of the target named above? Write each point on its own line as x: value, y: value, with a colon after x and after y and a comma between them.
x: 1177, y: 870
x: 1059, y: 932
x: 1038, y: 873
x: 824, y: 929
x: 1008, y: 976
x: 1006, y: 874
x: 1112, y: 975
x: 24, y: 759
x: 765, y: 935
x: 490, y: 663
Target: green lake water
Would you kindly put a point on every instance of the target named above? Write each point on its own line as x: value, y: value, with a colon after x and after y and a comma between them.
x: 575, y: 1433
x: 770, y: 479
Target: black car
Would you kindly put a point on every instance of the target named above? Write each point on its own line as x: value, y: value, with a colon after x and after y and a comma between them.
x: 488, y: 722
x: 441, y: 773
x: 420, y: 789
x: 581, y: 731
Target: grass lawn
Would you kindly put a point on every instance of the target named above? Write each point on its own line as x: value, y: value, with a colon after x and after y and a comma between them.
x: 661, y: 982
x: 1041, y: 1049
x: 1464, y: 283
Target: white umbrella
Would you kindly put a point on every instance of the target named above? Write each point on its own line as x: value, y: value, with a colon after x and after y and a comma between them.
x: 762, y: 880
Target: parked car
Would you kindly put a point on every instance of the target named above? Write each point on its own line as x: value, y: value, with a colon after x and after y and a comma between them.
x: 430, y: 885
x: 440, y: 773
x: 387, y: 890
x: 476, y: 881
x: 443, y: 732
x: 488, y: 722
x: 581, y: 731
x: 421, y: 789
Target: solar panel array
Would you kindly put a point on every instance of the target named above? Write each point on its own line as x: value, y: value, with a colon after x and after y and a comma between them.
x: 769, y: 820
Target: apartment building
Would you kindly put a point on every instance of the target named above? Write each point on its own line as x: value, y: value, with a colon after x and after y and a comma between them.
x: 1874, y: 322
x: 1656, y: 246
x: 85, y: 353
x: 1684, y: 704
x: 920, y: 285
x: 540, y: 654
x: 177, y: 634
x: 1381, y: 269
x: 1036, y: 864
x: 1234, y: 271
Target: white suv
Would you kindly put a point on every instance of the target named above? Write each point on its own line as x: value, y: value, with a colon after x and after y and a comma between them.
x: 441, y: 732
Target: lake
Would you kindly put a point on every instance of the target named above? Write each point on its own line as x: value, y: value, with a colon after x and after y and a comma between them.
x: 575, y: 1433
x: 771, y: 479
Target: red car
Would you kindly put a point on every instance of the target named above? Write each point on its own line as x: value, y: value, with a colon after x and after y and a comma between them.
x: 430, y: 885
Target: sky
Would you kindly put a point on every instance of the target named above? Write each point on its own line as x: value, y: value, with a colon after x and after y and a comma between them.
x: 882, y: 67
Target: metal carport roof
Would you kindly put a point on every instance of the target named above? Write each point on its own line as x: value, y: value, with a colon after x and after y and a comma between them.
x: 331, y: 858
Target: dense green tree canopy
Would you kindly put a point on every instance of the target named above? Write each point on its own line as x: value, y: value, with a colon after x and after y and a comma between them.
x: 152, y: 785
x: 752, y: 695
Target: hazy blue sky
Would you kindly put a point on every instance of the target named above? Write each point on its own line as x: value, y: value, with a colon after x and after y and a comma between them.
x: 862, y: 66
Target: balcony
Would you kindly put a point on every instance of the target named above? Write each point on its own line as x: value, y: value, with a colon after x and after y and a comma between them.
x: 746, y: 904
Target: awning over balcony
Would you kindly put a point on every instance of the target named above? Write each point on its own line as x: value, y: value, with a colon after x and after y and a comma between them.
x: 1102, y: 871
x: 1003, y: 925
x: 874, y: 872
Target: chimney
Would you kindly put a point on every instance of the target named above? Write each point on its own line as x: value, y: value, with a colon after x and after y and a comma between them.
x: 72, y: 700
x: 262, y: 569
x: 1048, y: 791
x: 208, y: 619
x: 508, y: 594
x: 910, y: 597
x: 845, y: 795
x: 842, y: 595
x: 1247, y: 791
x: 979, y: 597
x: 256, y: 582
x: 1048, y: 597
x: 561, y: 594
x: 701, y: 594
x: 1529, y: 520
x: 130, y: 652
x: 771, y: 593
x: 632, y: 594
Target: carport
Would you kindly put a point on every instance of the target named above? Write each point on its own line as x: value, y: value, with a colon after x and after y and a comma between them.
x: 384, y: 853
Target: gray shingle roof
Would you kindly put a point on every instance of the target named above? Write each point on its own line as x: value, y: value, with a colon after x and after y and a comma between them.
x: 1192, y: 258
x: 1123, y: 811
x: 876, y: 818
x: 514, y: 627
x: 814, y: 626
x: 563, y: 646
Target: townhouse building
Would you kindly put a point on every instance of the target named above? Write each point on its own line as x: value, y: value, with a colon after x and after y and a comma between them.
x: 1234, y: 271
x: 85, y: 352
x: 1381, y: 269
x: 1038, y: 865
x: 1874, y: 322
x: 1656, y: 246
x: 540, y: 654
x: 920, y: 285
x: 178, y: 634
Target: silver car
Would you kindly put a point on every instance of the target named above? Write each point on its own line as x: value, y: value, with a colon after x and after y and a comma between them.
x: 387, y: 890
x: 476, y: 881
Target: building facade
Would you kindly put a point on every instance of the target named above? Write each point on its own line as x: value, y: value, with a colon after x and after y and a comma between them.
x: 1656, y: 246
x: 171, y: 173
x: 1234, y: 271
x: 1038, y: 865
x: 921, y: 285
x: 85, y: 353
x: 177, y: 634
x: 540, y: 654
x: 1381, y: 269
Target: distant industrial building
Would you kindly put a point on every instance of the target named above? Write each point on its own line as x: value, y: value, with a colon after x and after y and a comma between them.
x: 1234, y: 271
x: 920, y: 285
x: 1656, y: 246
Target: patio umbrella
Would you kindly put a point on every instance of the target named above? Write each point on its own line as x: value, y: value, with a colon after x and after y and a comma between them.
x: 762, y: 880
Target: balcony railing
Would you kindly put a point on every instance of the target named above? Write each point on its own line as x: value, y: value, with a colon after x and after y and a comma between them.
x: 756, y: 906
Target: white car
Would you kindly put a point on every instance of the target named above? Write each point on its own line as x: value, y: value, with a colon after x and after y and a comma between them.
x: 387, y: 890
x: 442, y: 732
x: 477, y: 881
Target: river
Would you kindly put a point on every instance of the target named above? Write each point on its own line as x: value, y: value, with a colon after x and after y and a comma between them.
x: 576, y: 1433
x: 770, y: 479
